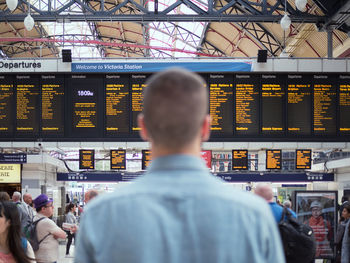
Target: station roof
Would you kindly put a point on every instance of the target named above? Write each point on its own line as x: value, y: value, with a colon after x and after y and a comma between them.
x: 174, y: 28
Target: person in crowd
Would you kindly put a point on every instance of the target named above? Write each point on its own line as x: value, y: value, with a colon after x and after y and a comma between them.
x: 344, y: 200
x: 89, y: 195
x: 28, y: 203
x: 4, y: 196
x: 71, y: 219
x: 177, y: 211
x: 13, y: 247
x: 23, y: 212
x: 322, y: 229
x: 47, y: 231
x: 265, y: 191
x: 343, y: 254
x: 288, y: 204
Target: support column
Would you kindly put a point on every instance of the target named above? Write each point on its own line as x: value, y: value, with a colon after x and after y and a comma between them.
x: 330, y: 42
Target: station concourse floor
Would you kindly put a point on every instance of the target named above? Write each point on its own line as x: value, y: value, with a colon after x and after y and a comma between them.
x: 62, y: 254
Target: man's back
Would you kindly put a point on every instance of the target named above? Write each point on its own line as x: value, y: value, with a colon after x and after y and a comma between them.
x: 178, y: 213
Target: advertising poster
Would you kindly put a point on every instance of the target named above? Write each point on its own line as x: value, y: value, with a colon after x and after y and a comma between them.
x: 318, y: 209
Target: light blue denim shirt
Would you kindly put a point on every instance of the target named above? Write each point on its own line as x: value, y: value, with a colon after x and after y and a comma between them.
x: 178, y: 213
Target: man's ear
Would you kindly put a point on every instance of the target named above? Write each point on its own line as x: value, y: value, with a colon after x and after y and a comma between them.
x: 205, y: 130
x: 141, y: 123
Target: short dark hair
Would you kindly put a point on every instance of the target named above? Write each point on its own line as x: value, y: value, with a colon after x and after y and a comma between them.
x: 175, y: 105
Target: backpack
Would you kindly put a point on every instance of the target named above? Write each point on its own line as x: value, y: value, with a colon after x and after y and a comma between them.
x: 298, y: 239
x: 31, y: 235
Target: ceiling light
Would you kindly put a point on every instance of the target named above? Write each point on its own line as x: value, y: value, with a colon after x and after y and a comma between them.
x: 301, y: 4
x: 29, y: 22
x: 11, y: 4
x: 285, y: 22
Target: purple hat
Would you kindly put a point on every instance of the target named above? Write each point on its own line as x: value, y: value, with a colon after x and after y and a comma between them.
x: 41, y: 200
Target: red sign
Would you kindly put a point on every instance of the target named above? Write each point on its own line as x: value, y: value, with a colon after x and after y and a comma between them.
x: 206, y: 156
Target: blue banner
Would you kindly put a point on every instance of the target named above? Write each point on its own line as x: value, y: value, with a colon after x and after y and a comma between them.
x: 228, y: 177
x: 276, y: 177
x: 136, y: 67
x: 13, y: 158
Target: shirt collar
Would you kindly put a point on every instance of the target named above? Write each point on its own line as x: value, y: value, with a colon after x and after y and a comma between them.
x: 177, y: 162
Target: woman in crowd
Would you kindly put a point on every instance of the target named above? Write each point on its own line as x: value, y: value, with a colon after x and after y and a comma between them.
x: 13, y: 248
x: 342, y: 239
x: 71, y: 219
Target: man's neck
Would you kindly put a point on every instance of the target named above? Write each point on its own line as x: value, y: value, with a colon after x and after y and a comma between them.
x: 161, y: 151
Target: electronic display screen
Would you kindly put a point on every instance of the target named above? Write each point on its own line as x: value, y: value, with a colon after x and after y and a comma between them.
x: 221, y: 103
x: 52, y: 105
x: 299, y: 92
x: 344, y: 104
x: 239, y: 159
x: 137, y: 84
x: 246, y: 104
x: 6, y: 104
x: 84, y: 102
x: 303, y: 159
x: 86, y: 159
x: 272, y: 101
x: 118, y: 161
x: 104, y: 107
x: 146, y: 159
x: 325, y: 106
x: 273, y: 159
x: 27, y: 105
x: 117, y: 107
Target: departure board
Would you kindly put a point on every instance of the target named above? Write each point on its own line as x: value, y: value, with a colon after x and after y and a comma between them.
x: 86, y: 159
x: 117, y: 107
x: 146, y: 159
x: 85, y: 98
x: 303, y: 159
x: 273, y: 159
x: 137, y: 84
x: 299, y: 92
x: 52, y: 104
x: 27, y: 105
x: 344, y: 104
x: 325, y: 107
x: 246, y: 104
x: 6, y: 104
x: 272, y: 100
x: 117, y: 159
x: 221, y: 103
x: 243, y: 106
x: 239, y: 159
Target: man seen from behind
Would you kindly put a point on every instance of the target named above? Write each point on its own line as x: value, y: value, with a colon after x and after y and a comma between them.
x: 177, y: 212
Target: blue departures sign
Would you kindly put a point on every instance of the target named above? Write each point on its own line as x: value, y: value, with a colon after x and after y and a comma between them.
x: 109, y: 67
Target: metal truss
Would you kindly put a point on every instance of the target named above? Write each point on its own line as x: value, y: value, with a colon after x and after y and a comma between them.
x: 130, y: 10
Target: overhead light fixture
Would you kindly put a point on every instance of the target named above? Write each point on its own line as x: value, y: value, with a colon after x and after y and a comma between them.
x: 29, y: 22
x: 285, y: 22
x: 12, y: 4
x: 301, y: 4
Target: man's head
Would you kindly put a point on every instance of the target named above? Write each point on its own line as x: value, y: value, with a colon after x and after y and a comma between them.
x: 287, y: 204
x: 27, y: 198
x: 44, y: 205
x: 264, y: 191
x: 316, y: 209
x: 175, y: 109
x: 16, y: 197
x: 90, y: 195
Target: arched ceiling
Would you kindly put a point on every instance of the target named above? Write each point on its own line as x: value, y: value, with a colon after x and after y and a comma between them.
x: 173, y: 28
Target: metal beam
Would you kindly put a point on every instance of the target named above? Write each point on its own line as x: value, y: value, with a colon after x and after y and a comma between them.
x: 101, y: 16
